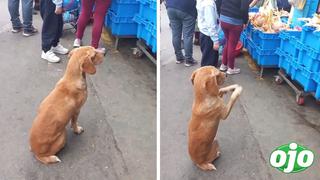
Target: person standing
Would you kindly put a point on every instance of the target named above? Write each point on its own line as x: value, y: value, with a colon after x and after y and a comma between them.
x: 208, y: 26
x: 101, y: 7
x: 233, y: 18
x: 51, y: 13
x: 17, y: 26
x: 182, y: 16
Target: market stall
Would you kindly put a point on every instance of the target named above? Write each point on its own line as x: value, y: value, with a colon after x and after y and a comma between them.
x: 135, y: 19
x: 289, y: 41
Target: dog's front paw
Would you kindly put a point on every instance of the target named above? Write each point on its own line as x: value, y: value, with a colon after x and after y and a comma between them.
x: 78, y: 130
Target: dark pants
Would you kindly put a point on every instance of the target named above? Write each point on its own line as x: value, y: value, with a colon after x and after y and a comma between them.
x: 182, y: 23
x: 13, y: 6
x: 52, y: 25
x: 232, y: 36
x: 209, y: 55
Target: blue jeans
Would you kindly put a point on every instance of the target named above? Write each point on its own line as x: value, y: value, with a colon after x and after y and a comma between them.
x: 13, y: 6
x: 182, y: 23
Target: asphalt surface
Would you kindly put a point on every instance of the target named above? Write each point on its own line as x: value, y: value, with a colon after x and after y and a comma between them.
x: 265, y: 117
x: 119, y: 116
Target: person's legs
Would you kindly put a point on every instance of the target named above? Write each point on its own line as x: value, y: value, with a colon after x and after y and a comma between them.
x: 234, y: 37
x: 188, y: 26
x: 225, y: 30
x: 13, y: 7
x: 50, y: 24
x: 86, y: 8
x: 27, y: 14
x: 176, y: 27
x: 99, y: 15
x: 59, y: 30
x: 208, y: 54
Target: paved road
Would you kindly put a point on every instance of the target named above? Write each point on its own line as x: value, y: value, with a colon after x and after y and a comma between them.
x: 265, y: 117
x: 119, y: 117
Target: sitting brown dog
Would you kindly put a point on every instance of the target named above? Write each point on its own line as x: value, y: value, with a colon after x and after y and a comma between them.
x: 207, y: 111
x: 48, y: 131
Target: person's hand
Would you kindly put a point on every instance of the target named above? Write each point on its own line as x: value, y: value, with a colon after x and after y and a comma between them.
x: 59, y: 10
x: 245, y: 26
x: 216, y: 45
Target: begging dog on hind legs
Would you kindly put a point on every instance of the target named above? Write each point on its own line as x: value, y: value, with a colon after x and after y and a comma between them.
x: 207, y: 110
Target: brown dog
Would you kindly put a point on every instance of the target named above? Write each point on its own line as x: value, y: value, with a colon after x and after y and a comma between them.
x: 48, y: 131
x: 207, y: 111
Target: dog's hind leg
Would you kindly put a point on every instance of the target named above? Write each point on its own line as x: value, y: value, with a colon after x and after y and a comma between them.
x: 48, y: 159
x: 214, y: 151
x: 227, y: 109
x: 74, y: 124
x: 207, y: 166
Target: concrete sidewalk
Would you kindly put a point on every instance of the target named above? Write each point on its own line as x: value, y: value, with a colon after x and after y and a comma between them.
x: 266, y: 116
x: 119, y: 116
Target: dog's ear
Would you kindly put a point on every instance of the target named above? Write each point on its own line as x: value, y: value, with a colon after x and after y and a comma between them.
x: 87, y: 66
x: 211, y: 85
x: 221, y: 78
x: 193, y: 75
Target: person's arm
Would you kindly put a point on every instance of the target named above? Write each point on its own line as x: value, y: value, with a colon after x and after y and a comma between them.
x: 253, y: 3
x: 245, y: 10
x: 58, y: 3
x: 211, y: 17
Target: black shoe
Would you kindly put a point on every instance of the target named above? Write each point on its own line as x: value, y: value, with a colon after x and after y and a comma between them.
x: 190, y: 62
x: 179, y: 61
x: 16, y: 30
x: 31, y: 32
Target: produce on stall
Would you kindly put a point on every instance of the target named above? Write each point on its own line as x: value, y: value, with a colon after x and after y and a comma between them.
x: 291, y: 42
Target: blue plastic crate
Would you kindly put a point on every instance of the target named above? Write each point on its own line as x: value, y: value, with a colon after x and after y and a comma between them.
x: 125, y: 8
x: 310, y: 38
x: 267, y: 58
x: 316, y: 78
x: 267, y: 41
x: 120, y: 26
x: 148, y: 10
x: 288, y: 42
x: 148, y: 32
x: 308, y: 11
x: 248, y: 29
x: 284, y: 61
x: 309, y: 59
x: 252, y: 49
x: 243, y: 39
x: 303, y: 76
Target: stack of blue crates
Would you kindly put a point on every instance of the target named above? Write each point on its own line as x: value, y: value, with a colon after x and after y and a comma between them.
x: 261, y: 46
x: 300, y: 58
x: 147, y: 23
x: 120, y: 15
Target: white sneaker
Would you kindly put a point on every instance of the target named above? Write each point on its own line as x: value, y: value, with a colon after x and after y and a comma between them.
x: 233, y: 71
x: 101, y: 50
x: 50, y: 56
x: 223, y: 67
x: 60, y: 49
x: 77, y: 43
